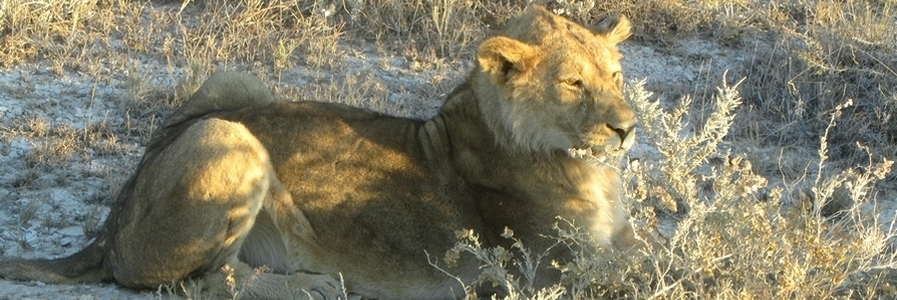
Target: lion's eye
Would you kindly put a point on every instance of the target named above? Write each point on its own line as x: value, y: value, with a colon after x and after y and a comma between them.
x: 576, y: 83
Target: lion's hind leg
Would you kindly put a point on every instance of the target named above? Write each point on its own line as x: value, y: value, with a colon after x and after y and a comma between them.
x: 192, y: 205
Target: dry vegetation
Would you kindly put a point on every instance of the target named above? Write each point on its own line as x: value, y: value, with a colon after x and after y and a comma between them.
x: 776, y: 185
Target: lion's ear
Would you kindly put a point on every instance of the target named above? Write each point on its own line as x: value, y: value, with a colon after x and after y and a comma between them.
x: 616, y: 29
x: 500, y: 55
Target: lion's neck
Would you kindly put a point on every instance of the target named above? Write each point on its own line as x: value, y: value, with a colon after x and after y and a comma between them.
x: 499, y: 178
x: 465, y: 133
x: 469, y: 128
x: 489, y: 108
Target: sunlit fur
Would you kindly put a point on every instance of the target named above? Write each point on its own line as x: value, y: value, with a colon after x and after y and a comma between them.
x: 315, y: 192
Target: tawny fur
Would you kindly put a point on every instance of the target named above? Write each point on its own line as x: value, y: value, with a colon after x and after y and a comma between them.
x: 315, y: 191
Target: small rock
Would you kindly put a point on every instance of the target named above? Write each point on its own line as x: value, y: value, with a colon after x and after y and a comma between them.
x: 72, y: 231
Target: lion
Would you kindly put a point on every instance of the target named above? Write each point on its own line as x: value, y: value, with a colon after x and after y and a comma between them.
x: 332, y: 199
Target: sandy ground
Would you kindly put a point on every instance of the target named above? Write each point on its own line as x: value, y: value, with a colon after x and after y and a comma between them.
x: 66, y: 194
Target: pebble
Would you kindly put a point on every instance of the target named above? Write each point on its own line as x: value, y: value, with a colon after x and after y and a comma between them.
x: 72, y: 231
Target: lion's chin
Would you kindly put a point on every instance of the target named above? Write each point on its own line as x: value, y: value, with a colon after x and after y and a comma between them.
x: 600, y: 153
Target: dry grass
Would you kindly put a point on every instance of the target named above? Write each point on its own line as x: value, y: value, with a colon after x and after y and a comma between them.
x: 776, y: 188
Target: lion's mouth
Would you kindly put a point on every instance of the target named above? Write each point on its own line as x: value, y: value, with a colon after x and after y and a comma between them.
x: 612, y: 145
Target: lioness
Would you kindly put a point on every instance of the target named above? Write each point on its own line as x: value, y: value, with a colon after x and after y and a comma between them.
x: 319, y: 191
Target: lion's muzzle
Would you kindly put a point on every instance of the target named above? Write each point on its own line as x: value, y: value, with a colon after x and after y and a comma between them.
x: 628, y: 137
x: 624, y: 139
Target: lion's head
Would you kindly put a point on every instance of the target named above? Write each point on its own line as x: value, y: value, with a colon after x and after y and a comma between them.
x: 559, y: 84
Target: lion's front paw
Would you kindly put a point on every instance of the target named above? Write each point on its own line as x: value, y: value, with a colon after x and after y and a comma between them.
x: 317, y: 286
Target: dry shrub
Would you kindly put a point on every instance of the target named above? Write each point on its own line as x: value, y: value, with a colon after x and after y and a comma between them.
x: 742, y: 238
x: 739, y: 238
x: 683, y: 154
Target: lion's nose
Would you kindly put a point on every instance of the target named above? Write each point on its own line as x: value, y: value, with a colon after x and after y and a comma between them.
x: 627, y: 135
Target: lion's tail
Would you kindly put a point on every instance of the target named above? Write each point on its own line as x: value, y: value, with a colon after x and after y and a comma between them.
x: 83, y: 267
